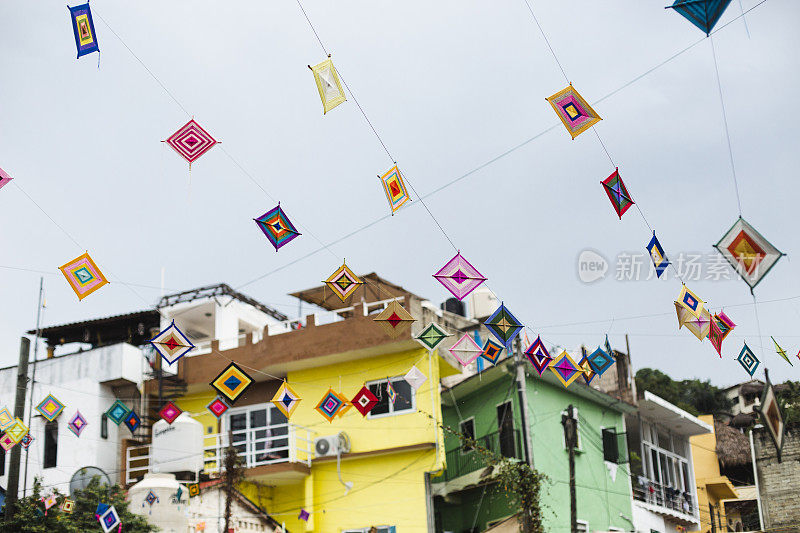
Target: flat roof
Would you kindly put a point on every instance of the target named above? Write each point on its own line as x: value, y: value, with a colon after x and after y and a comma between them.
x: 374, y: 289
x: 663, y: 413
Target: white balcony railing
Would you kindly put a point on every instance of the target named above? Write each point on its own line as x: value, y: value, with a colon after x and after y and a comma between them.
x: 282, y: 443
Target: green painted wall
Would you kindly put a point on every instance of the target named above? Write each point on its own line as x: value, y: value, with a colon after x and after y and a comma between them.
x: 600, y: 499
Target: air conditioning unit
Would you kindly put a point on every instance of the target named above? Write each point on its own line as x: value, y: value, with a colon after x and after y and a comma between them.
x: 331, y: 445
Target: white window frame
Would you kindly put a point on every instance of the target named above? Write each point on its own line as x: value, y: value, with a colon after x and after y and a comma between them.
x: 579, y: 447
x: 392, y: 412
x: 583, y: 523
x: 249, y: 455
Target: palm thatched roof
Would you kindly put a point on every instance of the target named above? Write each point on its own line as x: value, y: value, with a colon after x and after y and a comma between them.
x: 733, y: 446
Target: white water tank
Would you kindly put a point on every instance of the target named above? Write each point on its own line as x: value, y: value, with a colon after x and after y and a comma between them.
x: 482, y: 303
x: 177, y: 447
x: 167, y: 512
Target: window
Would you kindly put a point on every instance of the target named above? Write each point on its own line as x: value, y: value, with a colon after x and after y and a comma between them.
x: 405, y: 402
x: 104, y: 426
x: 583, y: 526
x: 260, y: 434
x: 50, y: 444
x: 615, y: 446
x: 467, y: 430
x: 505, y: 429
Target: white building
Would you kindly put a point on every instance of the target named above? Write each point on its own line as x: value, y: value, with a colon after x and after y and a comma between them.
x: 663, y: 482
x: 91, y: 364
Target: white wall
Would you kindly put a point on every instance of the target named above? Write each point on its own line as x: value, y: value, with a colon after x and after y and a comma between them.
x: 75, y: 380
x: 646, y: 521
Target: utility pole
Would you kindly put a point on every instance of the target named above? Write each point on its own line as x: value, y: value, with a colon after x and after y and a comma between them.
x: 33, y: 377
x: 570, y: 425
x: 19, y: 412
x: 522, y: 392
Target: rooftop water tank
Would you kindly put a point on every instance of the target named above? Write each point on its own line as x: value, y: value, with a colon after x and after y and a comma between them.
x: 177, y: 447
x: 167, y: 512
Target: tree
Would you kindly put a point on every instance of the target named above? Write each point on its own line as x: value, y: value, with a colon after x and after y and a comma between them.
x: 234, y: 473
x: 692, y: 395
x: 29, y: 512
x: 788, y: 396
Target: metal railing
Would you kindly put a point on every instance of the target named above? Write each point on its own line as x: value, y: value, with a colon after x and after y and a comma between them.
x: 465, y: 459
x: 282, y: 443
x: 659, y: 495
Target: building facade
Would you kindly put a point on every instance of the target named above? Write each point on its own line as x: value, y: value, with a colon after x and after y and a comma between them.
x: 713, y: 488
x: 778, y: 482
x: 380, y: 476
x: 489, y: 407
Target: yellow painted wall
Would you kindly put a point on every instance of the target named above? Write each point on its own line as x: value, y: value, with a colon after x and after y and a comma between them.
x: 389, y: 488
x: 706, y: 467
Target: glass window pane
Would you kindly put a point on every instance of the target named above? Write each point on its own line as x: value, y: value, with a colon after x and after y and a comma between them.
x: 379, y: 390
x: 237, y: 422
x: 405, y: 394
x: 258, y: 418
x: 276, y: 417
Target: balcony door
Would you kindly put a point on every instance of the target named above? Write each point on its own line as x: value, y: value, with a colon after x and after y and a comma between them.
x: 505, y: 428
x: 260, y: 434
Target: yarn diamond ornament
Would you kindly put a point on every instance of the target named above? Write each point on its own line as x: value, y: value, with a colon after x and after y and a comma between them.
x: 395, y: 188
x: 415, y: 378
x: 343, y: 282
x: 492, y: 350
x: 6, y: 420
x: 7, y: 442
x: 171, y: 343
x: 466, y: 350
x: 503, y: 325
x: 232, y: 382
x: 17, y: 430
x: 538, y: 355
x: 575, y: 113
x: 132, y: 421
x: 565, y: 369
x: 170, y: 412
x: 588, y: 372
x: 330, y: 405
x: 394, y: 319
x: 83, y: 275
x: 4, y: 178
x: 194, y: 490
x: 50, y: 407
x: 286, y: 400
x: 77, y: 424
x: 26, y: 441
x: 748, y: 360
x: 117, y: 412
x: 459, y: 276
x: 110, y: 520
x: 67, y: 506
x: 432, y: 336
x: 780, y: 351
x: 191, y: 141
x: 83, y: 29
x: 364, y: 401
x: 699, y: 326
x: 657, y: 255
x: 704, y: 14
x: 618, y: 194
x: 749, y: 253
x: 328, y: 85
x: 690, y: 302
x: 217, y: 407
x: 277, y: 227
x: 600, y: 360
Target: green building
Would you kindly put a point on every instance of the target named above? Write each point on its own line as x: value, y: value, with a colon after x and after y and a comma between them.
x: 488, y: 406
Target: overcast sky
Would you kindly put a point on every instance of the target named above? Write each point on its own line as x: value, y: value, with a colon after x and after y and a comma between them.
x: 449, y: 85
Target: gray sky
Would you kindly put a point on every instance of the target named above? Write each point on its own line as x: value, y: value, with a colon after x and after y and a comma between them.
x: 449, y: 85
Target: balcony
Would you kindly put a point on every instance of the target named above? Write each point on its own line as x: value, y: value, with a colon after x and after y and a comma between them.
x: 465, y: 459
x: 279, y: 453
x: 666, y: 501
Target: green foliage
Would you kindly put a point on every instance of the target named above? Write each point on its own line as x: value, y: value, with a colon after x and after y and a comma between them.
x: 789, y: 400
x: 29, y: 512
x: 692, y: 395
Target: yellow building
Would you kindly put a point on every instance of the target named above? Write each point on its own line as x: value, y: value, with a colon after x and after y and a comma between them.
x: 712, y: 487
x: 381, y: 476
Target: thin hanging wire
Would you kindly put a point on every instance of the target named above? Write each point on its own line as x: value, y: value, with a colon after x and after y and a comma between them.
x: 546, y: 40
x: 725, y: 122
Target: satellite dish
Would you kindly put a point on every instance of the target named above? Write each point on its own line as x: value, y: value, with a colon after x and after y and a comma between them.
x: 83, y: 476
